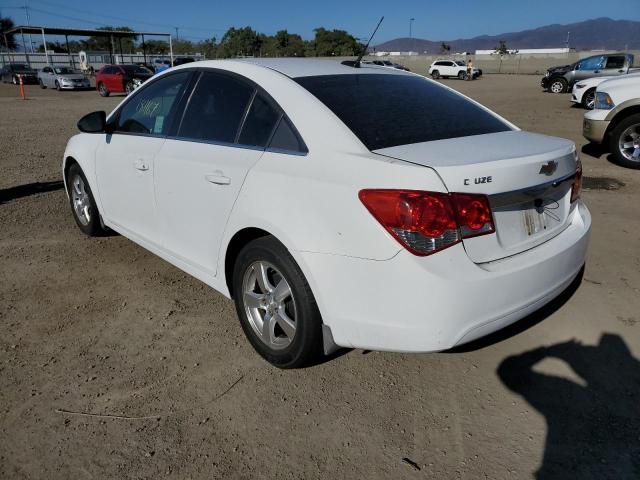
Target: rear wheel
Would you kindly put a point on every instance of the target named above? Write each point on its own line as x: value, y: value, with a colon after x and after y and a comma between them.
x: 277, y: 309
x: 83, y: 204
x: 558, y: 85
x: 435, y: 74
x: 102, y: 90
x: 625, y: 142
x: 128, y: 88
x: 589, y: 99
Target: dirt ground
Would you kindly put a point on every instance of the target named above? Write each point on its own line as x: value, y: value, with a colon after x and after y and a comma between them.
x: 114, y: 364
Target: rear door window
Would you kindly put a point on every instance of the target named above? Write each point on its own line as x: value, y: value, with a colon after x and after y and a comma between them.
x: 389, y: 110
x: 216, y: 108
x: 259, y: 124
x: 616, y: 61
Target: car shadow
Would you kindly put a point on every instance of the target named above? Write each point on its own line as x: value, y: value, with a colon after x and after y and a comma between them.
x: 593, y: 424
x: 526, y: 323
x: 13, y: 193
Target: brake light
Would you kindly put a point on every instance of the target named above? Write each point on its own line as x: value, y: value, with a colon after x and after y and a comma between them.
x: 577, y: 183
x: 427, y: 222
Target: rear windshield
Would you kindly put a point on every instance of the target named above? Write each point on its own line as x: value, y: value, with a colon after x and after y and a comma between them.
x: 388, y: 110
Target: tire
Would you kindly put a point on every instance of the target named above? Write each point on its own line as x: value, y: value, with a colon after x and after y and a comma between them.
x: 435, y: 74
x: 128, y: 88
x: 558, y: 85
x: 81, y: 200
x: 58, y: 86
x: 102, y: 90
x: 42, y: 85
x: 301, y: 343
x: 589, y: 99
x: 627, y: 132
x: 462, y: 75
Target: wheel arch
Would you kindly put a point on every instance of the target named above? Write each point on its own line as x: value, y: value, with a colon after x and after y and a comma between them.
x: 620, y: 116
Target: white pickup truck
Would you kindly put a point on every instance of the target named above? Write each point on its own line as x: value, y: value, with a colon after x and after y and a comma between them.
x: 615, y: 119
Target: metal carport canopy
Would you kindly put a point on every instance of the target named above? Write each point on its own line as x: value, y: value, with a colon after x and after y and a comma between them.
x: 83, y: 32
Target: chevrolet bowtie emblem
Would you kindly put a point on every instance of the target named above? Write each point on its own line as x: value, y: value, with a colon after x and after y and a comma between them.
x: 548, y: 168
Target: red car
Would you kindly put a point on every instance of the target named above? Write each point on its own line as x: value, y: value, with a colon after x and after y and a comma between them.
x: 121, y: 78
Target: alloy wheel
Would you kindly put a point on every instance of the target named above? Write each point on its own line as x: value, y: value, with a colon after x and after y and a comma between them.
x: 269, y: 305
x: 557, y: 87
x: 629, y: 143
x: 590, y: 100
x: 80, y: 200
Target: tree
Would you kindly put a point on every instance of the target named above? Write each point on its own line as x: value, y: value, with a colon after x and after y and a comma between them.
x: 240, y: 42
x: 329, y: 43
x: 101, y: 44
x: 284, y: 44
x: 7, y: 24
x: 155, y: 47
x: 502, y: 48
x: 445, y: 48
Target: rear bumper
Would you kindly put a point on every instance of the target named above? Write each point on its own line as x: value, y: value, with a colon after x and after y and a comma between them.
x: 421, y: 304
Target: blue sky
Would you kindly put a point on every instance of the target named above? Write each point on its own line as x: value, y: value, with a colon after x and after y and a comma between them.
x: 443, y: 20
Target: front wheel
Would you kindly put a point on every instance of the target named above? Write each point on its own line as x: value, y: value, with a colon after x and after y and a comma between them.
x: 129, y: 88
x: 102, y: 90
x: 58, y: 86
x: 83, y: 204
x: 277, y: 309
x: 462, y: 75
x: 625, y: 142
x: 435, y: 74
x: 589, y: 99
x: 42, y: 85
x: 558, y: 85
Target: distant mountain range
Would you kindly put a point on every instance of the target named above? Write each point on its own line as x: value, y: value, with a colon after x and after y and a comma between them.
x: 598, y: 33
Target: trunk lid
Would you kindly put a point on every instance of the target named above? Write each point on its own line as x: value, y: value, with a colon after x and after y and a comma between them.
x: 527, y: 177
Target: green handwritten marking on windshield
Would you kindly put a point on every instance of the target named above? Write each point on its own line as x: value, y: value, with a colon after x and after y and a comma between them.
x: 147, y: 108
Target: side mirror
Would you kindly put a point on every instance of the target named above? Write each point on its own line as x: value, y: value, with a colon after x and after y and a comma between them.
x: 94, y: 122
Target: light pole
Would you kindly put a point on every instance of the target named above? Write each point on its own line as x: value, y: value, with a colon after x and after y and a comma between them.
x: 411, y: 20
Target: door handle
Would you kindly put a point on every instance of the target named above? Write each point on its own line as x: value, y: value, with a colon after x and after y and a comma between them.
x: 218, y: 179
x: 141, y: 165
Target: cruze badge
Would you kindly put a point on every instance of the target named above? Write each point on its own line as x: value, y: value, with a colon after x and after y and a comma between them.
x: 548, y: 168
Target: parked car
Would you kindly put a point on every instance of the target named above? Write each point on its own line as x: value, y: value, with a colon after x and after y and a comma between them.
x: 13, y: 72
x: 160, y: 65
x: 615, y: 120
x: 584, y: 91
x: 62, y: 78
x: 477, y: 72
x: 391, y: 236
x: 561, y: 79
x: 121, y: 78
x: 451, y: 68
x: 182, y: 60
x: 386, y: 63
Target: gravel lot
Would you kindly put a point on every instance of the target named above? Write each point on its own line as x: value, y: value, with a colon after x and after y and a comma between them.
x: 115, y: 364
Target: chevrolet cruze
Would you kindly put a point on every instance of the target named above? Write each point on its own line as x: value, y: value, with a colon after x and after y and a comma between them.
x: 338, y: 206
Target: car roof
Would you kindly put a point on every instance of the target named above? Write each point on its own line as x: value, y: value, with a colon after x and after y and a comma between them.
x: 301, y: 67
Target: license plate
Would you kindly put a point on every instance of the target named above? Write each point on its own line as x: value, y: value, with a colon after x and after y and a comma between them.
x: 534, y: 221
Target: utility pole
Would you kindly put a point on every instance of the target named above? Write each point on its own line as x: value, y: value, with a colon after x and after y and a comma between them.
x: 177, y: 36
x: 26, y: 12
x: 411, y: 20
x: 567, y: 43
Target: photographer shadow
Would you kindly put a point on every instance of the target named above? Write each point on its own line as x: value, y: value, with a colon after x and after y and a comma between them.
x: 593, y: 427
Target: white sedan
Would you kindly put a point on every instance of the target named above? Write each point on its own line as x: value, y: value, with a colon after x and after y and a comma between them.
x: 584, y: 91
x: 338, y: 206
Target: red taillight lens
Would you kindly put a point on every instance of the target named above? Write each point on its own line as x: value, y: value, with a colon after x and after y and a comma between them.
x: 427, y: 222
x: 577, y: 183
x: 474, y: 214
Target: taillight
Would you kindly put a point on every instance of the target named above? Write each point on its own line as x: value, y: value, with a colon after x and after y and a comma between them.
x: 577, y: 183
x: 427, y: 222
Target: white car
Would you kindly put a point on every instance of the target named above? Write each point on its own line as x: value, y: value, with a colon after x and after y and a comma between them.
x: 338, y: 206
x: 615, y: 119
x: 451, y: 68
x: 584, y: 91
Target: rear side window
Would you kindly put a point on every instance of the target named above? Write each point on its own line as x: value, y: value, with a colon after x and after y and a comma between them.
x: 259, y: 124
x: 149, y: 110
x: 286, y: 138
x: 615, y: 62
x: 388, y: 110
x: 216, y: 108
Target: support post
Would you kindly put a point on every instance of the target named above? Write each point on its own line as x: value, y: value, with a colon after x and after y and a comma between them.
x: 120, y: 47
x: 44, y: 44
x: 144, y: 51
x: 171, y: 50
x: 71, y: 60
x: 24, y: 47
x: 111, y: 49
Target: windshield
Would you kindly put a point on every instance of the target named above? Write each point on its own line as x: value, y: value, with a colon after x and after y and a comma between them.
x: 62, y: 70
x: 460, y: 62
x: 388, y: 110
x: 136, y: 69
